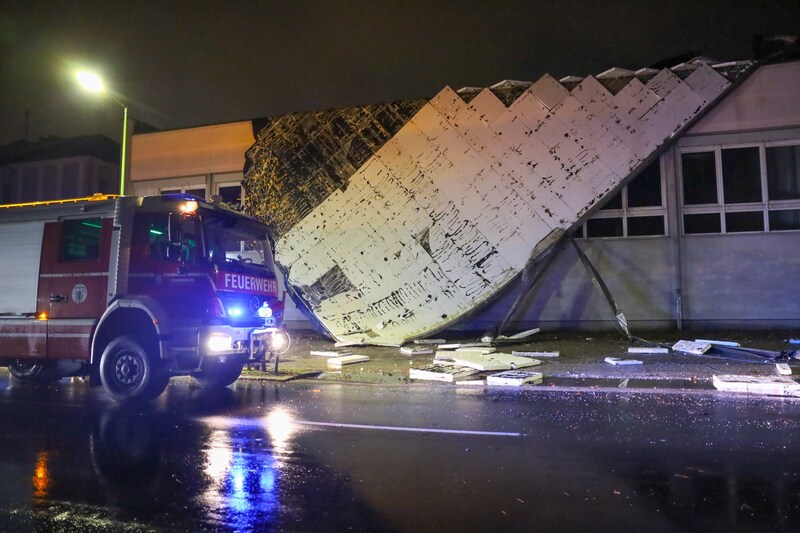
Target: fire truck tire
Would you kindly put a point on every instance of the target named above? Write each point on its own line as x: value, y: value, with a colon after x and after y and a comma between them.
x: 129, y: 373
x: 26, y: 370
x: 218, y: 375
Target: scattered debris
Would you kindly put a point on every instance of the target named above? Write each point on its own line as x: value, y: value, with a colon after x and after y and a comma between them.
x: 622, y: 362
x: 793, y: 341
x: 623, y: 384
x: 339, y: 362
x: 515, y: 378
x: 771, y: 385
x: 522, y: 335
x: 416, y: 350
x: 450, y: 346
x: 443, y: 355
x: 349, y: 342
x: 783, y: 369
x: 718, y: 343
x: 331, y: 353
x: 535, y: 354
x: 648, y: 349
x: 442, y: 372
x: 494, y: 361
x: 476, y: 349
x: 430, y: 341
x: 692, y: 347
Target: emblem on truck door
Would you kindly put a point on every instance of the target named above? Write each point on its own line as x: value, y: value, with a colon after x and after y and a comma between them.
x: 79, y: 293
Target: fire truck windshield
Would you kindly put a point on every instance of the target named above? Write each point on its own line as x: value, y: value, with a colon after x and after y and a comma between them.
x: 233, y: 239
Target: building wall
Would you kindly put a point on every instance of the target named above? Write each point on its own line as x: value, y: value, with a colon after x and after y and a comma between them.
x: 726, y: 279
x: 55, y: 179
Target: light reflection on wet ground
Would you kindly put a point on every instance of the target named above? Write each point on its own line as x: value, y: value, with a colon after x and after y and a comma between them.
x: 240, y: 460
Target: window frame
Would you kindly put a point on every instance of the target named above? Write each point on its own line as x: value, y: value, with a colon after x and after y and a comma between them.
x: 720, y: 207
x: 626, y: 213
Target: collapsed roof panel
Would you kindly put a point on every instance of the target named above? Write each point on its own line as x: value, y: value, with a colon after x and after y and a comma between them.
x: 393, y: 232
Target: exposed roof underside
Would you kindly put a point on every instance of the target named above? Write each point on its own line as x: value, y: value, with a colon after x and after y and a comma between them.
x: 446, y: 205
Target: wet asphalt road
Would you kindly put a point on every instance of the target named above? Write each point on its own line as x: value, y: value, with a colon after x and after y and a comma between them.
x: 261, y: 457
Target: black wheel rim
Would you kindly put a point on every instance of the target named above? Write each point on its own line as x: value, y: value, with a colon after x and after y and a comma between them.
x: 128, y: 369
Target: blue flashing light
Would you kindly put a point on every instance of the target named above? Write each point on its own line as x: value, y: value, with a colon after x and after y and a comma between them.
x: 234, y: 311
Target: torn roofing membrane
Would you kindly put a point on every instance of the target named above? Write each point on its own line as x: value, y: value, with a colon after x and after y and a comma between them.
x: 394, y: 221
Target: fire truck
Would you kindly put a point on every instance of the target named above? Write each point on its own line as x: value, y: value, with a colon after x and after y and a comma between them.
x: 130, y: 291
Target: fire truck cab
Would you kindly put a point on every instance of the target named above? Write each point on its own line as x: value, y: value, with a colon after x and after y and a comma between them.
x: 134, y: 290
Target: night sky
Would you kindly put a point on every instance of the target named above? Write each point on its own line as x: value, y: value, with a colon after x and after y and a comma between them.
x: 181, y: 64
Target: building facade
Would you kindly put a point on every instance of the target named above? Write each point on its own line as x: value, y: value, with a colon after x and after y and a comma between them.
x: 708, y: 235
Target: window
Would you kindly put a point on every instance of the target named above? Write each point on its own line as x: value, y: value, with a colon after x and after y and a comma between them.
x: 231, y: 194
x: 80, y: 240
x: 738, y: 189
x: 636, y: 211
x: 783, y: 172
x: 200, y: 192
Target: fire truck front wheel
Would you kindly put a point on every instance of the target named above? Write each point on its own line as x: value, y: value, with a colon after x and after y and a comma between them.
x: 130, y: 373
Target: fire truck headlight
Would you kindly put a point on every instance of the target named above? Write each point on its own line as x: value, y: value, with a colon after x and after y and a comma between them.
x: 220, y: 342
x: 264, y: 311
x: 279, y: 342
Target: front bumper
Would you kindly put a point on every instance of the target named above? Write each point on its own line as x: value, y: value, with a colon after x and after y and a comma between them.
x: 251, y: 344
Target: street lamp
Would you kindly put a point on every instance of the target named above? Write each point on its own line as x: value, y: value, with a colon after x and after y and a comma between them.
x: 92, y: 83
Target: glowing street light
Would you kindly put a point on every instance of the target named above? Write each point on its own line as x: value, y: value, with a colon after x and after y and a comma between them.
x: 93, y: 83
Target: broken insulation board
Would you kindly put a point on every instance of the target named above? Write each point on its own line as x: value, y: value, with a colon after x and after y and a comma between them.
x: 444, y: 202
x: 522, y: 335
x: 648, y: 350
x: 444, y: 355
x: 494, y: 361
x: 331, y: 353
x: 416, y: 350
x: 476, y: 349
x: 718, y: 343
x: 616, y: 361
x: 514, y: 378
x: 519, y: 353
x: 692, y: 347
x: 339, y: 362
x: 769, y: 385
x: 783, y: 369
x: 442, y: 372
x: 430, y: 341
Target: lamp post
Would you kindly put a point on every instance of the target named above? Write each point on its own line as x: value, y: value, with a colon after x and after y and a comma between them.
x: 92, y: 83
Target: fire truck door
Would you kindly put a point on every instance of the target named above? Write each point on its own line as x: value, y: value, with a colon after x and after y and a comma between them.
x: 73, y: 283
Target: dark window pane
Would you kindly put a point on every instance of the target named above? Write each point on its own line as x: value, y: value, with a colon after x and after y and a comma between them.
x: 80, y: 240
x: 200, y: 193
x: 783, y: 172
x: 615, y: 202
x: 787, y: 219
x: 231, y: 194
x: 699, y: 178
x: 604, y: 227
x: 704, y: 223
x: 645, y: 189
x: 741, y: 175
x: 747, y: 221
x: 170, y: 191
x: 645, y: 226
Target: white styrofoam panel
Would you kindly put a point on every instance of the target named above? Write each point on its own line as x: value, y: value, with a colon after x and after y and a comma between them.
x: 20, y: 253
x: 549, y: 91
x: 707, y: 82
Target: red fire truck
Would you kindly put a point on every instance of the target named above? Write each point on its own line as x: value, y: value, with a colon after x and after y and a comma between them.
x: 133, y: 290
